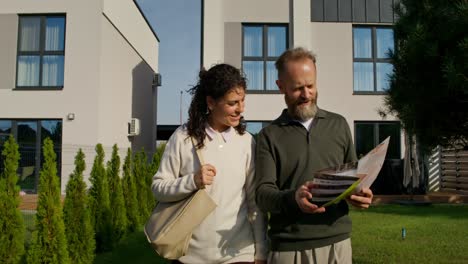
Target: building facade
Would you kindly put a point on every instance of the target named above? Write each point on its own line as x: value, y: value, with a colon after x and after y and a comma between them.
x: 352, y: 41
x: 78, y: 72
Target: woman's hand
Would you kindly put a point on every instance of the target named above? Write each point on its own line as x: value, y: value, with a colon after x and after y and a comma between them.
x: 205, y: 176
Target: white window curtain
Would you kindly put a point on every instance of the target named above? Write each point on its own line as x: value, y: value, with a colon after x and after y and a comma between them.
x: 276, y: 41
x: 30, y: 33
x: 384, y: 41
x: 254, y: 73
x: 271, y: 74
x: 28, y: 71
x: 52, y: 71
x: 363, y: 76
x: 362, y: 42
x: 253, y: 41
x: 55, y: 30
x: 383, y: 71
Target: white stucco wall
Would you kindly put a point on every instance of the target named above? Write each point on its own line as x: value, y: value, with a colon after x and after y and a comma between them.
x: 125, y: 16
x: 332, y: 42
x: 98, y: 74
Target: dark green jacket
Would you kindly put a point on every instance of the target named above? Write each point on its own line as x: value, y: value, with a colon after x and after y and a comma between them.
x: 287, y: 156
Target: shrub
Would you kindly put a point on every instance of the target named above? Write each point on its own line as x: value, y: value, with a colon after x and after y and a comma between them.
x: 11, y: 220
x: 49, y: 244
x: 79, y: 230
x: 118, y: 212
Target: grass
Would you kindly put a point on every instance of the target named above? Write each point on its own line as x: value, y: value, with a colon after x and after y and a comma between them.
x: 133, y: 249
x: 434, y: 234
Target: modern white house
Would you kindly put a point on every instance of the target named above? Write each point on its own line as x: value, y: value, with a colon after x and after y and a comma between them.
x: 350, y: 38
x: 79, y: 72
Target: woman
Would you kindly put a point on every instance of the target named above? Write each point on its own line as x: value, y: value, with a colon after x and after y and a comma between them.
x: 235, y: 231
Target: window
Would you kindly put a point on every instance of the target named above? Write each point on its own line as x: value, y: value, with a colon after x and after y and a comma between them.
x: 261, y: 46
x: 30, y: 135
x: 254, y: 127
x: 369, y: 134
x: 41, y: 52
x: 371, y: 47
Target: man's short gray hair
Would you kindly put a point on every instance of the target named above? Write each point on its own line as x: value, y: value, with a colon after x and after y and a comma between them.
x: 294, y: 54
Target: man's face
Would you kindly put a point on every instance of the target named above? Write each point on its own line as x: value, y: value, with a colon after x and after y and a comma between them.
x: 298, y: 84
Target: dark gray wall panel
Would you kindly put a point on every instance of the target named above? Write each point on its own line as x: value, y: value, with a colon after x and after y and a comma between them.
x: 359, y: 10
x: 372, y: 11
x: 317, y: 10
x: 331, y: 10
x: 345, y: 11
x: 386, y: 11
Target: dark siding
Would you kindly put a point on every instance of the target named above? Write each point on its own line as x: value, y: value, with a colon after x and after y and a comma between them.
x: 344, y: 9
x: 317, y: 10
x: 359, y: 10
x: 331, y: 10
x: 386, y: 11
x: 372, y: 11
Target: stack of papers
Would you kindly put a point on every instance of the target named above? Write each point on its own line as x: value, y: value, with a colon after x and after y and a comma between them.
x: 331, y: 185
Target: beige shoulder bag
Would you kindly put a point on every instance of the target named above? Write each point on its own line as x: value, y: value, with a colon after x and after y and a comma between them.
x: 170, y: 226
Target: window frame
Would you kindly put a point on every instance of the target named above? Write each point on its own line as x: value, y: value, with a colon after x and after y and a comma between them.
x: 38, y: 147
x: 376, y: 134
x: 264, y: 58
x: 41, y: 52
x: 374, y: 59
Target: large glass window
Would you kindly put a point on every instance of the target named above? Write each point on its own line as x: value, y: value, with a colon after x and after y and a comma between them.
x: 372, y: 67
x: 30, y: 135
x: 41, y: 51
x: 262, y: 45
x: 254, y: 127
x: 369, y: 134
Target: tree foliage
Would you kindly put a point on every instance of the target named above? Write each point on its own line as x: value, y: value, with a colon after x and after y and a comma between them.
x: 49, y: 244
x: 130, y: 193
x: 11, y: 220
x: 79, y: 230
x: 140, y: 171
x: 100, y: 203
x: 118, y: 212
x: 429, y: 85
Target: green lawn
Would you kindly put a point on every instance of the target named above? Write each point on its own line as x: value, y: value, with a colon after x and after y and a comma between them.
x: 134, y: 249
x: 434, y: 234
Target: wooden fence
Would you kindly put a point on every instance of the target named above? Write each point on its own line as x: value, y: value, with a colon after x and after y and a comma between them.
x: 454, y: 171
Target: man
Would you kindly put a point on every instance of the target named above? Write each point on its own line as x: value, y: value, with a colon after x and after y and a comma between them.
x: 304, y: 139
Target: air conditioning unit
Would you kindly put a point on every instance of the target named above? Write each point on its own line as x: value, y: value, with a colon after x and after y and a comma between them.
x: 134, y: 127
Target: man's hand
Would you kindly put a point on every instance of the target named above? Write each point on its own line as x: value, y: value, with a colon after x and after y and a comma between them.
x: 362, y: 199
x: 205, y: 176
x: 303, y: 197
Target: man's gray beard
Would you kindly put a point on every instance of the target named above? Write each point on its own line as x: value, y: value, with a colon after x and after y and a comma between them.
x: 304, y: 113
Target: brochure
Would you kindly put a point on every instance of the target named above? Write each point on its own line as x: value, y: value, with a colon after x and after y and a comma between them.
x: 331, y: 185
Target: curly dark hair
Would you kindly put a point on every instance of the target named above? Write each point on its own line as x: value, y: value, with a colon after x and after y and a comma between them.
x: 215, y: 82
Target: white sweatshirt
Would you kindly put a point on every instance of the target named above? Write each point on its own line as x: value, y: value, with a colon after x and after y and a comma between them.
x: 236, y: 230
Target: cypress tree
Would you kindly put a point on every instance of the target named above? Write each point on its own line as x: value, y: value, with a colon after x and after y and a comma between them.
x: 99, y: 202
x: 152, y: 169
x: 79, y: 231
x: 49, y: 244
x: 11, y: 220
x: 140, y: 172
x: 118, y: 212
x: 129, y: 190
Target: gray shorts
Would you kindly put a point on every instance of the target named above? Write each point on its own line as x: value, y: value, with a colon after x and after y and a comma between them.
x: 339, y: 253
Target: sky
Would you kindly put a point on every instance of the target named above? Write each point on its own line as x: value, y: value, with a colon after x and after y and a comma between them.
x: 177, y: 25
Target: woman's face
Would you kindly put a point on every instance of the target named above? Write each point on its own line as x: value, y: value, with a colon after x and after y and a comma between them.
x: 226, y: 111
